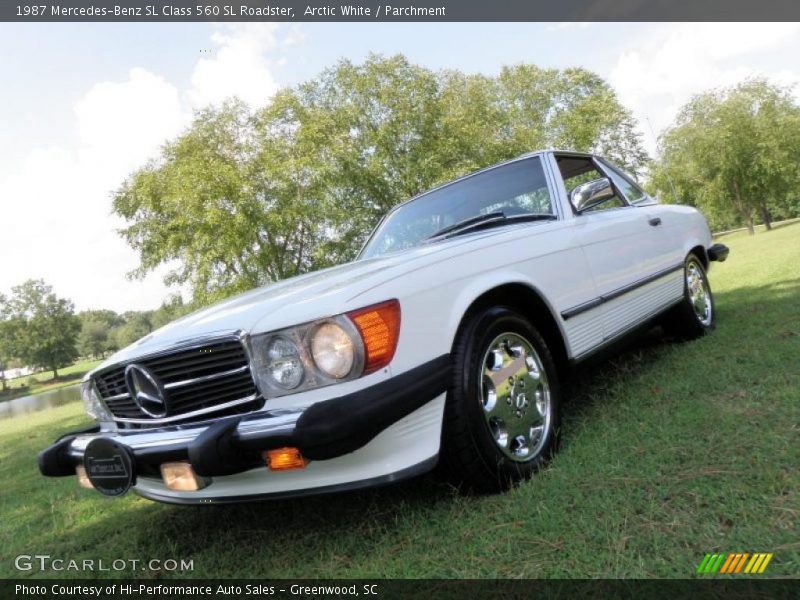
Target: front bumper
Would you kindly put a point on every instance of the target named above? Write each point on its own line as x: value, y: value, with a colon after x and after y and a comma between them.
x: 323, y: 431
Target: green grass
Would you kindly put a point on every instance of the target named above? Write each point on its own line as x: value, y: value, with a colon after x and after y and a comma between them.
x: 45, y: 381
x: 670, y: 451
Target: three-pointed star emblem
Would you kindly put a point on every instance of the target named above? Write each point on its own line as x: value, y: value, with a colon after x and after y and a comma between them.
x: 146, y: 391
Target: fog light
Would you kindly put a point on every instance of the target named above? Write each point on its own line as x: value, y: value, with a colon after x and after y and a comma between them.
x: 284, y: 459
x: 83, y: 478
x: 180, y: 477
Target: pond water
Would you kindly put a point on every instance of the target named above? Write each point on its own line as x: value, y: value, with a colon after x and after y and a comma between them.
x: 29, y: 404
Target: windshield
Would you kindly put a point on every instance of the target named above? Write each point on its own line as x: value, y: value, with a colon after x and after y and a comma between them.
x: 518, y: 188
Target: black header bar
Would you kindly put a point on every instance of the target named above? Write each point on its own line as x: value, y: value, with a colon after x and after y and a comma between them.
x: 33, y: 11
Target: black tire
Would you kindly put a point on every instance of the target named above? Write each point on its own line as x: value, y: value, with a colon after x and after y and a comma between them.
x: 684, y: 321
x: 470, y: 453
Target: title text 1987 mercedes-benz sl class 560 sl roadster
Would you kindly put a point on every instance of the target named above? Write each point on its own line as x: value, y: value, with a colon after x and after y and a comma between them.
x: 445, y: 340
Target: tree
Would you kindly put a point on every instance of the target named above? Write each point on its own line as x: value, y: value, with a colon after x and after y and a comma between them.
x: 169, y: 310
x: 733, y: 152
x: 93, y: 338
x: 5, y: 341
x: 135, y: 325
x: 245, y: 197
x: 96, y: 327
x: 571, y: 109
x: 44, y: 326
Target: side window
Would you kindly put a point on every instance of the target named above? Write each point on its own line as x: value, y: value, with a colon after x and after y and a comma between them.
x: 576, y: 170
x: 632, y: 192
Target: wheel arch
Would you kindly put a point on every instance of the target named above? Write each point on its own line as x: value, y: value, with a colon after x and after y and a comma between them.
x: 531, y: 304
x: 700, y: 252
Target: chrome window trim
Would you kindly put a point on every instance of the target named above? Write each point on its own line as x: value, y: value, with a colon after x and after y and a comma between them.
x: 608, y: 168
x: 601, y: 167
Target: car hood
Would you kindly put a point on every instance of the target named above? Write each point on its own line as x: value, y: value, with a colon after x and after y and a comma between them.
x: 244, y: 311
x: 285, y: 303
x: 299, y: 299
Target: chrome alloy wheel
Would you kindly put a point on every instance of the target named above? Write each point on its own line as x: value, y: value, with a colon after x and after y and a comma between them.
x: 515, y: 396
x: 699, y: 294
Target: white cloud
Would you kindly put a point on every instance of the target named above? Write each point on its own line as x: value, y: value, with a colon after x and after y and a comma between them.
x: 295, y: 36
x: 62, y: 192
x: 664, y: 67
x: 63, y: 195
x: 120, y: 125
x: 242, y: 66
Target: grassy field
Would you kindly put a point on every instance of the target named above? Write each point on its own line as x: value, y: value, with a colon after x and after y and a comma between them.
x: 670, y: 451
x: 45, y: 382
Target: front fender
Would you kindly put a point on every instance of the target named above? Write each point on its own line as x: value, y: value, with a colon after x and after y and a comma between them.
x: 470, y: 293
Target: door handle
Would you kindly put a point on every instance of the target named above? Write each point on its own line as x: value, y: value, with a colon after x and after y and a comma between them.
x: 655, y: 221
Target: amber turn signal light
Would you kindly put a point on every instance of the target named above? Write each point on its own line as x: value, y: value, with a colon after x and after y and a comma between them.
x: 284, y: 459
x: 379, y: 327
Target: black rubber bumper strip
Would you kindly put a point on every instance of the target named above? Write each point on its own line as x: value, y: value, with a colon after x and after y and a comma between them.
x: 326, y: 430
x: 54, y: 461
x: 337, y: 427
x: 718, y: 252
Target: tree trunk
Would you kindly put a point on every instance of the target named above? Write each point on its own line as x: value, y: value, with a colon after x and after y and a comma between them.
x: 745, y: 211
x: 55, y: 373
x: 765, y: 216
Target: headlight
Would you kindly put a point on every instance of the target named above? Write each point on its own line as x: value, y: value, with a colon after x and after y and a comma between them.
x: 91, y: 402
x: 332, y: 350
x: 283, y: 362
x: 327, y: 351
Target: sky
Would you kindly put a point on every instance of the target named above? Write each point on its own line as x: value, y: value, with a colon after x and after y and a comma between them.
x: 84, y: 105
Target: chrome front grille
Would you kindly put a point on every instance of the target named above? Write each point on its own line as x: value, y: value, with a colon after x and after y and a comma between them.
x: 200, y: 381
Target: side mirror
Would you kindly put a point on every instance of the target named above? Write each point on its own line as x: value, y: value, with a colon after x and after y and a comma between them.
x: 590, y: 194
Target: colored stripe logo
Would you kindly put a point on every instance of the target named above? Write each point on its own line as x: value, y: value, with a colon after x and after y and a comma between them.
x: 734, y: 563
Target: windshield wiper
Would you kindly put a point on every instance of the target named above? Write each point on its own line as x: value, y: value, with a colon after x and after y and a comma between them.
x: 488, y: 220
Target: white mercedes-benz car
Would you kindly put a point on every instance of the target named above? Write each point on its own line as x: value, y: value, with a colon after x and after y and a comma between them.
x: 444, y: 341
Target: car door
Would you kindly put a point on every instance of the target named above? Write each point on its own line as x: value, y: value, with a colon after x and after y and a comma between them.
x: 620, y: 245
x: 665, y: 242
x: 632, y: 257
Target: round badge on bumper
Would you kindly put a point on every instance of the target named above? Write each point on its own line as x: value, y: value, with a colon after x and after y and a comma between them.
x: 109, y: 466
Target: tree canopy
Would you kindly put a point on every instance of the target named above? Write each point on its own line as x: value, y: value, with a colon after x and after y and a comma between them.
x: 733, y: 153
x: 104, y: 331
x: 96, y: 336
x: 244, y: 196
x: 40, y: 328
